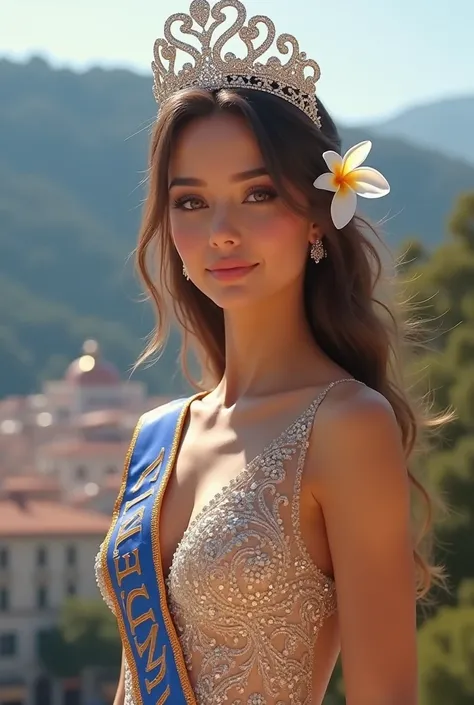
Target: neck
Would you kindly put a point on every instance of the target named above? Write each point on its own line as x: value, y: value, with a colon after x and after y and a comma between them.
x: 269, y: 349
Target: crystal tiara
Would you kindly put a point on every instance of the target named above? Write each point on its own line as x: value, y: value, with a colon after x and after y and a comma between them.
x: 212, y: 69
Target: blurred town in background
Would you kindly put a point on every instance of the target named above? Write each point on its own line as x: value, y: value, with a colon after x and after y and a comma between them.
x: 62, y: 452
x: 73, y: 160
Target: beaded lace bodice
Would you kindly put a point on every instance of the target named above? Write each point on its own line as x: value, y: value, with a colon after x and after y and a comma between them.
x: 246, y: 598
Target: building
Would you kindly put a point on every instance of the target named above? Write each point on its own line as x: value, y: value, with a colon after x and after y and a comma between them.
x: 61, y: 457
x: 47, y: 552
x: 77, y: 430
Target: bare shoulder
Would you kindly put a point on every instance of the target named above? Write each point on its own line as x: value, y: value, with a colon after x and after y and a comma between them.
x: 354, y: 427
x: 355, y: 404
x: 358, y: 475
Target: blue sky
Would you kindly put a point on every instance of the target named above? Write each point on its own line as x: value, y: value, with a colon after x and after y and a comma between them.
x: 377, y: 56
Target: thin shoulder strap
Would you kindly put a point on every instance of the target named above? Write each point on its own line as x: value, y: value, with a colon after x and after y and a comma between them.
x: 319, y: 400
x: 298, y: 482
x: 314, y: 409
x: 331, y: 385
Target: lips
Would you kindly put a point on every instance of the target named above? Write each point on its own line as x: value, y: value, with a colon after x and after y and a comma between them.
x: 230, y: 270
x: 224, y: 265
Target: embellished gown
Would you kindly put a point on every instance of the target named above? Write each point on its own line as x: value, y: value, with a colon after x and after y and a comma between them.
x: 246, y: 598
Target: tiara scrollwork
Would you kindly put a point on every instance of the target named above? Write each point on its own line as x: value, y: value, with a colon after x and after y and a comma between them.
x: 294, y: 80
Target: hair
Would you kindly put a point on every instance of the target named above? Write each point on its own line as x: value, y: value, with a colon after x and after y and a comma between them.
x: 363, y: 335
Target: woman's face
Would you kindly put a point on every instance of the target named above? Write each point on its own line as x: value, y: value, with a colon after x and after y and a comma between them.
x: 237, y: 238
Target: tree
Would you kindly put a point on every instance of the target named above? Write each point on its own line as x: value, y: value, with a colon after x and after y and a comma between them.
x: 447, y: 653
x: 443, y: 286
x: 86, y: 637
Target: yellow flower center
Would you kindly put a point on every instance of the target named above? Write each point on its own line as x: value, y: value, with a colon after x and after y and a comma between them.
x: 343, y: 180
x: 339, y: 179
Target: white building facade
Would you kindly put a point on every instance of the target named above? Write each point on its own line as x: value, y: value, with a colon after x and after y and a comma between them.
x: 47, y: 552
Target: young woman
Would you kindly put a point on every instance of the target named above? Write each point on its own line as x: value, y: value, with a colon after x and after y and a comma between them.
x: 264, y: 524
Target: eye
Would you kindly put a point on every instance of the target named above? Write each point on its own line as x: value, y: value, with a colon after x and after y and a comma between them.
x: 189, y: 203
x: 261, y: 194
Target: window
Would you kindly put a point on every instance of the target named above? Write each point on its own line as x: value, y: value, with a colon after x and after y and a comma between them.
x: 8, y: 644
x: 71, y: 555
x: 4, y: 599
x: 71, y: 589
x: 43, y: 691
x: 41, y: 556
x: 81, y: 473
x: 4, y: 557
x: 42, y: 597
x: 42, y: 636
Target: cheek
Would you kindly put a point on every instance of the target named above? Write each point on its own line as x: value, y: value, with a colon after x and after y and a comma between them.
x: 185, y: 235
x: 275, y: 235
x: 283, y: 236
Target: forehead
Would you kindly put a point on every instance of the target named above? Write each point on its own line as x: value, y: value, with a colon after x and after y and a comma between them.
x: 219, y: 143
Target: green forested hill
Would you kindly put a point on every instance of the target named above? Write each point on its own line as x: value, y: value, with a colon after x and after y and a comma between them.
x: 72, y: 164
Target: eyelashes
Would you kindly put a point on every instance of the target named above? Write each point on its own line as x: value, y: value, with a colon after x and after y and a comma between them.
x: 183, y: 202
x: 268, y: 191
x: 180, y: 203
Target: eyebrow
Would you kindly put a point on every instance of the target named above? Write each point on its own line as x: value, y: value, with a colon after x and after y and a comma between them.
x: 235, y: 178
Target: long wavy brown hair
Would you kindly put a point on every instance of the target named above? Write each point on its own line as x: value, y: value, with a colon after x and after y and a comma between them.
x: 363, y: 334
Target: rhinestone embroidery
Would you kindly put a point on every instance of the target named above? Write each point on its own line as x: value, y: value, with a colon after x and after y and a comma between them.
x: 247, y: 600
x: 212, y: 68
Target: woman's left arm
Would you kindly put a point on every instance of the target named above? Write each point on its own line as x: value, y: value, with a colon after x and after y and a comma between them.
x: 364, y: 491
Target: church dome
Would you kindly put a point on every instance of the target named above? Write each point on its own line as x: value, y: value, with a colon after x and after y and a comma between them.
x: 91, y: 370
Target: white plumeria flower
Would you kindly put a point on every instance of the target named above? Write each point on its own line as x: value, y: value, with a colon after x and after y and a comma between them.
x: 349, y: 180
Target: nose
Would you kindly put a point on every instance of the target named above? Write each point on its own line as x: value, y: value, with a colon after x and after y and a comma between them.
x: 224, y: 232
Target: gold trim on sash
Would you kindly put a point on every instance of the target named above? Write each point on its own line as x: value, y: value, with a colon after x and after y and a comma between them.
x: 137, y: 697
x: 156, y: 552
x: 155, y: 548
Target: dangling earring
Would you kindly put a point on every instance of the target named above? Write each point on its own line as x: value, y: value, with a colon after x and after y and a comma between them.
x: 317, y: 252
x: 185, y: 273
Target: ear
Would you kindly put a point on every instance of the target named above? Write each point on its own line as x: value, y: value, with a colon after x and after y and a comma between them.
x: 316, y: 233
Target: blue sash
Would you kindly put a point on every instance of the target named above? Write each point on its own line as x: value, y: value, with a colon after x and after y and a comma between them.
x: 132, y: 566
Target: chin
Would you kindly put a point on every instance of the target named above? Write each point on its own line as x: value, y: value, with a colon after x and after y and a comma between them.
x: 235, y: 297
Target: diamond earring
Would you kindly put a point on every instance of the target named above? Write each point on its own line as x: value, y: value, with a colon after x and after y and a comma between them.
x: 185, y: 273
x: 317, y: 252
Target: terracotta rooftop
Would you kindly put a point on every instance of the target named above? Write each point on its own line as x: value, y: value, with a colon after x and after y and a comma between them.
x: 28, y: 483
x: 75, y: 448
x: 106, y: 417
x: 91, y: 370
x: 24, y: 517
